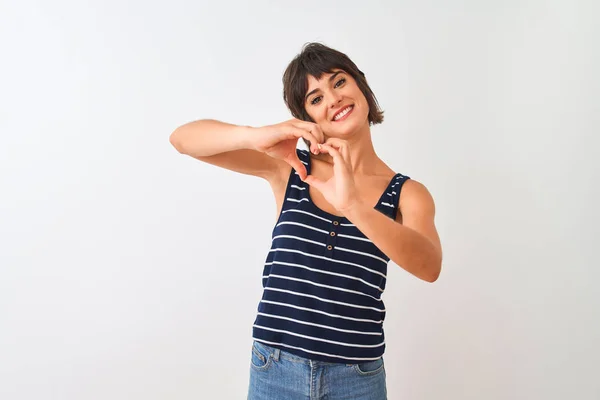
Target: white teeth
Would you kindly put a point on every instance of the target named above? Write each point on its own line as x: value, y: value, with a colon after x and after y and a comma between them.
x: 344, y: 112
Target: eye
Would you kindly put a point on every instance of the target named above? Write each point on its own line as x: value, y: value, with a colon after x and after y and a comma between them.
x: 340, y: 82
x: 315, y: 100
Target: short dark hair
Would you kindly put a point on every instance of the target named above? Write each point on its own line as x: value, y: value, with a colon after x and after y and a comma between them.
x: 316, y: 59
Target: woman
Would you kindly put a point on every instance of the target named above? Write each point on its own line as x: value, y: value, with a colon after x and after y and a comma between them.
x: 342, y: 215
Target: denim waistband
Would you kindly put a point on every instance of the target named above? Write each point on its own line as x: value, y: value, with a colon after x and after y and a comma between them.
x: 277, y: 353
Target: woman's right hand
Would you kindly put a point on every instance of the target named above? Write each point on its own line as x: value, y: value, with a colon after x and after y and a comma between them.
x: 279, y: 141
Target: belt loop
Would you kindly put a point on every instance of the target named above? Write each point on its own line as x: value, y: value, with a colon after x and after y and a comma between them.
x: 276, y: 354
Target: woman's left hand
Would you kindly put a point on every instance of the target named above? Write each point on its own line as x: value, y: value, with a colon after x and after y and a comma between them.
x: 339, y: 190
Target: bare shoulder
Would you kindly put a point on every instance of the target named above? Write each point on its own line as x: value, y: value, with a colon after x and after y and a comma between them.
x: 415, y: 195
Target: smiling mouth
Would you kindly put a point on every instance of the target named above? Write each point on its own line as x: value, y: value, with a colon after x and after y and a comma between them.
x: 343, y: 114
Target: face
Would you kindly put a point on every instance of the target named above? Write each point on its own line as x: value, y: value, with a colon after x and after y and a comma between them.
x: 336, y: 104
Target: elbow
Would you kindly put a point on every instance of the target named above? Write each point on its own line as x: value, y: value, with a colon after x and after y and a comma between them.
x: 434, y: 270
x: 175, y: 140
x: 432, y: 277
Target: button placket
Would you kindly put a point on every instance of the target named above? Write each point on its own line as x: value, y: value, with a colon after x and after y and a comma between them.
x: 332, y: 239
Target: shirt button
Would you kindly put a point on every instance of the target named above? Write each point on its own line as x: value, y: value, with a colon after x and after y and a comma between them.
x: 332, y: 233
x: 336, y: 223
x: 329, y: 247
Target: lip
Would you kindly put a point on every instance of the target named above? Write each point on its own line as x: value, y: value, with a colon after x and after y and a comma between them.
x: 340, y: 110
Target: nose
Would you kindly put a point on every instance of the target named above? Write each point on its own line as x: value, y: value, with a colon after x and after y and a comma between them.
x: 334, y: 99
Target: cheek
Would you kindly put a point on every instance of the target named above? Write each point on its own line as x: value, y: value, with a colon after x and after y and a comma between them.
x: 362, y: 97
x: 364, y: 104
x: 318, y: 114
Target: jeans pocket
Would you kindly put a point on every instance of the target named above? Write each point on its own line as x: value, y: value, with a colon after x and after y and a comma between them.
x: 370, y: 367
x: 261, y: 357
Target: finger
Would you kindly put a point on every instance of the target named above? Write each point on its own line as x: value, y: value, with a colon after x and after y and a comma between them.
x: 298, y: 166
x: 302, y: 133
x: 341, y: 167
x: 318, y: 132
x: 336, y: 142
x: 334, y: 153
x: 313, y: 139
x: 312, y: 128
x: 341, y: 146
x: 315, y: 182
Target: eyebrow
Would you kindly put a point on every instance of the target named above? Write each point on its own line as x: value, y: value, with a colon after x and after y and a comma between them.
x: 332, y: 77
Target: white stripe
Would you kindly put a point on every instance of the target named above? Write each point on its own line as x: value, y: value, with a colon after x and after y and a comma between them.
x: 327, y: 273
x: 317, y: 352
x: 361, y: 253
x: 307, y: 213
x: 317, y: 311
x: 328, y: 259
x: 290, y: 278
x: 366, y: 346
x: 324, y: 301
x: 347, y: 225
x: 298, y: 238
x: 387, y: 204
x: 298, y: 187
x: 355, y: 238
x: 319, y: 325
x: 296, y: 200
x: 303, y: 225
x: 304, y: 162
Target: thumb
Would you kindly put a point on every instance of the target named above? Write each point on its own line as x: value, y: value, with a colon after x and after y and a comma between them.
x: 315, y: 182
x: 295, y: 162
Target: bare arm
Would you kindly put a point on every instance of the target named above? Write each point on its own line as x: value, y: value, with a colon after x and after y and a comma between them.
x: 263, y: 152
x: 208, y: 137
x: 414, y: 245
x: 224, y: 145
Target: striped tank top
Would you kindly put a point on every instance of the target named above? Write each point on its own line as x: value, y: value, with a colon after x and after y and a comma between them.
x: 323, y: 280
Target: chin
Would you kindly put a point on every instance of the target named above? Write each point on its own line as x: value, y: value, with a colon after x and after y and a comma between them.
x: 347, y: 128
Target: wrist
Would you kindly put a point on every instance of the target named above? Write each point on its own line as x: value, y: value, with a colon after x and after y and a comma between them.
x: 246, y: 136
x: 353, y: 208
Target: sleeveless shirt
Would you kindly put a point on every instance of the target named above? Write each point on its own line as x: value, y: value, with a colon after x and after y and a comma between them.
x: 323, y: 280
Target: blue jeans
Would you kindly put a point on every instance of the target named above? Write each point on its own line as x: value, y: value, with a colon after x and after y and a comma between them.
x: 278, y: 375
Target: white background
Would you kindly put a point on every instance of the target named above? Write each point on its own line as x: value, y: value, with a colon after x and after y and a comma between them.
x: 129, y: 271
